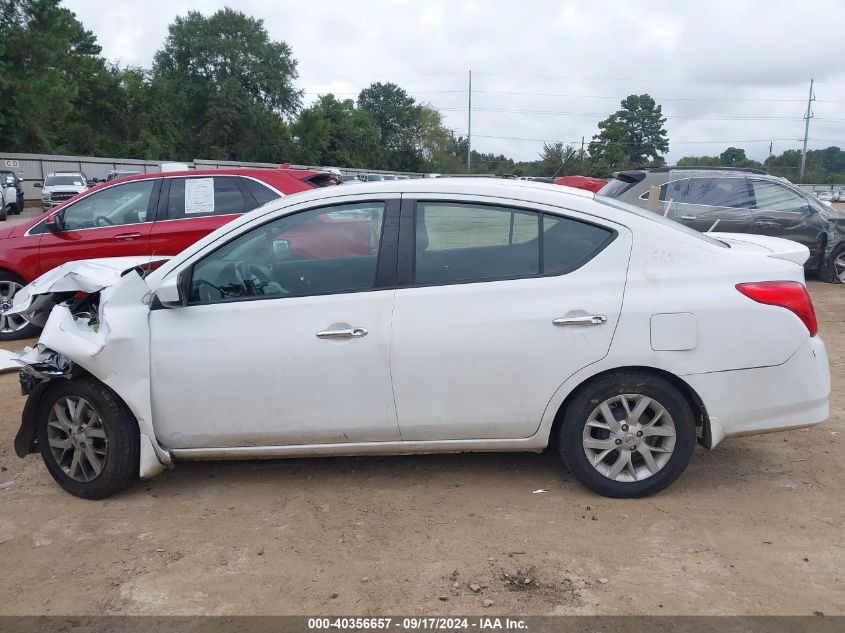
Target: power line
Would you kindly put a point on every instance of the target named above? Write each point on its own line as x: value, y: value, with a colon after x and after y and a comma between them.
x: 657, y: 98
x: 548, y: 140
x: 646, y: 80
x: 667, y: 116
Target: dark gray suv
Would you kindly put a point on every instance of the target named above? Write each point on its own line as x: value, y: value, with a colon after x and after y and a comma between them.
x: 740, y: 201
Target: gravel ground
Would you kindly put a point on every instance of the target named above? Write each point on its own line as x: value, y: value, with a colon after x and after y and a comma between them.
x: 755, y: 527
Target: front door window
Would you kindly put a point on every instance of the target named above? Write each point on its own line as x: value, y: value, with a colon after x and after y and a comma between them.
x: 115, y: 206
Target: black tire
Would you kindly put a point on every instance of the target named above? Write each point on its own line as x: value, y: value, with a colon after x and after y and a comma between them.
x: 588, y: 398
x: 2, y: 212
x: 828, y: 270
x: 120, y: 463
x: 15, y: 209
x: 27, y: 331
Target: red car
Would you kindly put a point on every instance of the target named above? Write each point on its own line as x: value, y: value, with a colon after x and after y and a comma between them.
x: 581, y: 182
x: 147, y: 214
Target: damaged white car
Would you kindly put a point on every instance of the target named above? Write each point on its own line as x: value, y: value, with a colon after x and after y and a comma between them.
x: 424, y: 316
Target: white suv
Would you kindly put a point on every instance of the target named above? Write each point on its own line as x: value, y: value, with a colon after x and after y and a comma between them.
x: 60, y: 186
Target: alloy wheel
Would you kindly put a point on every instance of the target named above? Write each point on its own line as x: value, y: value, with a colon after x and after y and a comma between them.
x: 839, y: 267
x: 77, y: 438
x: 10, y: 323
x: 629, y: 437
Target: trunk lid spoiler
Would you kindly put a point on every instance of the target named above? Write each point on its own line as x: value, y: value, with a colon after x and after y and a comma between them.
x: 775, y: 247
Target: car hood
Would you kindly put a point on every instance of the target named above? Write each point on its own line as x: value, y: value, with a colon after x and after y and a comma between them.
x: 776, y: 247
x: 76, y: 188
x: 87, y: 275
x: 6, y: 231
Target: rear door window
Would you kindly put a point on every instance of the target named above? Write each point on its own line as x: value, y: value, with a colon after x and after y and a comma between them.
x: 714, y: 192
x: 206, y: 195
x: 458, y: 242
x: 465, y: 242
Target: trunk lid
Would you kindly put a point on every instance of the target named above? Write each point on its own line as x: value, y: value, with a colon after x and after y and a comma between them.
x: 775, y: 247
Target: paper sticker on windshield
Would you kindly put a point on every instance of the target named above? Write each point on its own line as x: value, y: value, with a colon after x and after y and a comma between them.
x: 77, y: 183
x: 199, y: 195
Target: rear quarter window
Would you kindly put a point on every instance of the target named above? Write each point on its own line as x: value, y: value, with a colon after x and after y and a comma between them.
x: 261, y: 192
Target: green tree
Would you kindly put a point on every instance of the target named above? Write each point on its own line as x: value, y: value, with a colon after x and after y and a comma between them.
x: 632, y: 137
x: 559, y: 159
x: 226, y: 84
x: 733, y: 157
x: 333, y: 132
x: 396, y: 117
x: 57, y: 90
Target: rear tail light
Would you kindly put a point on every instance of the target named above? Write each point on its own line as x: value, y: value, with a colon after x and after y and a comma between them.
x: 785, y: 294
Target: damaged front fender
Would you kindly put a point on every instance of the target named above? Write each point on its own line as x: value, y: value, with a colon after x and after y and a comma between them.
x: 110, y: 344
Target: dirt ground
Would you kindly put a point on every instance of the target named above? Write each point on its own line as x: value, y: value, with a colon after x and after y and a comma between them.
x: 755, y: 527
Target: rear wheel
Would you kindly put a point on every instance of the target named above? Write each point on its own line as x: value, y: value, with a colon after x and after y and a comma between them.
x: 2, y: 212
x: 627, y: 435
x: 833, y: 270
x: 87, y: 437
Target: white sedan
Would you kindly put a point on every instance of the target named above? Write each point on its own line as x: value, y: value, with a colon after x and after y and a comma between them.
x: 425, y: 316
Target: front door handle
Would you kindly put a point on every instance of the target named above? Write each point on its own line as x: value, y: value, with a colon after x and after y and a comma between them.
x: 353, y: 332
x: 593, y: 319
x: 127, y: 237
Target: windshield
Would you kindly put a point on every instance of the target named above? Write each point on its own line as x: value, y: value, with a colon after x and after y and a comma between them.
x: 71, y: 180
x: 654, y: 217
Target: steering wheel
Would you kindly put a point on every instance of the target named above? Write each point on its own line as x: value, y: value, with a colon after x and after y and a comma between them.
x: 246, y: 272
x: 102, y: 220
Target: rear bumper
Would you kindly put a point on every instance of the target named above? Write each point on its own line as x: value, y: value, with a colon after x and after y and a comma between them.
x: 752, y: 401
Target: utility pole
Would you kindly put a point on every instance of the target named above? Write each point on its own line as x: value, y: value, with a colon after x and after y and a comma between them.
x: 807, y: 117
x: 469, y: 125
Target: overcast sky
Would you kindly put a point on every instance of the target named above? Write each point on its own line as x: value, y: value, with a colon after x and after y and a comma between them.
x: 724, y: 72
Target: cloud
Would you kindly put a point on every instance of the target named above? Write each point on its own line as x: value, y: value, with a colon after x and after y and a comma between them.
x: 724, y: 71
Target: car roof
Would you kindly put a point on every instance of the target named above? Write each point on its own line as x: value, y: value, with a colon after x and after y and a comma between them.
x: 664, y: 170
x: 458, y: 185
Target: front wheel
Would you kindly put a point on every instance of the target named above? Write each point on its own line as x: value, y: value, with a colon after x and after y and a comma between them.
x: 12, y: 326
x: 627, y: 434
x: 87, y: 437
x: 833, y: 270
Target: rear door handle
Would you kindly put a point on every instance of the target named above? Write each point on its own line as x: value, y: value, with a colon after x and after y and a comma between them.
x: 353, y: 332
x: 765, y: 223
x: 593, y: 319
x: 127, y: 237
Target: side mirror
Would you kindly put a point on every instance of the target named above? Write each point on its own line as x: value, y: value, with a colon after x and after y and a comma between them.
x: 172, y: 292
x: 56, y: 222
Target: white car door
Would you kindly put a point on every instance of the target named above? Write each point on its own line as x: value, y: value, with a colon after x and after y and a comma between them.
x: 496, y: 319
x: 284, y: 338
